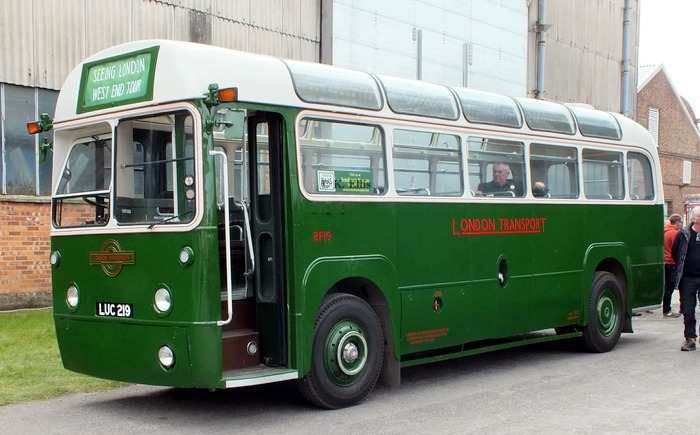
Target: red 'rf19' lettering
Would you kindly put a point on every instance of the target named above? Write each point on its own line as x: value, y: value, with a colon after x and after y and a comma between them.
x: 322, y: 236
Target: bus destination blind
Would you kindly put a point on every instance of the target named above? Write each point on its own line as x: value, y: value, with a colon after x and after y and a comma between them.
x: 118, y: 80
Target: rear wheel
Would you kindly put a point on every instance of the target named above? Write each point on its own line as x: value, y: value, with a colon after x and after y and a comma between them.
x: 606, y: 313
x: 347, y: 353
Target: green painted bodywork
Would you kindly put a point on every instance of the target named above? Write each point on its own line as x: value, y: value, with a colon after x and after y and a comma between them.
x: 126, y: 348
x: 439, y: 287
x: 411, y: 252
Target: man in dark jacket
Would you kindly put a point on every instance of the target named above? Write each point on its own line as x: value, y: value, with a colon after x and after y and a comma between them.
x: 501, y: 183
x: 686, y: 277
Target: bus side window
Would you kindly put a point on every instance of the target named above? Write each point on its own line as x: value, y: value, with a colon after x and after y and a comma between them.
x: 602, y: 174
x: 556, y: 168
x: 639, y: 177
x: 426, y: 163
x: 496, y: 167
x: 341, y: 158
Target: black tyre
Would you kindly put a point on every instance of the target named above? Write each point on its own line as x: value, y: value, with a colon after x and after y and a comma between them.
x: 605, y: 315
x: 347, y: 353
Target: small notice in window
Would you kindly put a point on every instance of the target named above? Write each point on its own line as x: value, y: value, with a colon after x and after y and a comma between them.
x: 344, y: 182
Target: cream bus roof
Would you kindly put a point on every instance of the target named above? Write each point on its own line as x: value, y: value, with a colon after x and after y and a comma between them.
x: 184, y: 71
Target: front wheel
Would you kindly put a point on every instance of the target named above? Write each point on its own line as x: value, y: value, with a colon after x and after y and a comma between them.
x: 347, y: 353
x: 605, y: 315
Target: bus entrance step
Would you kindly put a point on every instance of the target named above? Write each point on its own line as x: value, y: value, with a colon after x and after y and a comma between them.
x: 240, y: 349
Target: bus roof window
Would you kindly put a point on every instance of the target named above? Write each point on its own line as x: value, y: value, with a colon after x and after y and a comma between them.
x: 316, y: 83
x: 595, y: 123
x: 547, y: 116
x: 486, y: 108
x: 412, y: 97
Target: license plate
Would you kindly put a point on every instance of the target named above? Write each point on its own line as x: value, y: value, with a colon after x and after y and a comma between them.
x: 114, y: 309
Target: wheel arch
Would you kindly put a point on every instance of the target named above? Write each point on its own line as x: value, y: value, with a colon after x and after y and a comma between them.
x: 372, y: 278
x: 370, y: 292
x: 615, y: 259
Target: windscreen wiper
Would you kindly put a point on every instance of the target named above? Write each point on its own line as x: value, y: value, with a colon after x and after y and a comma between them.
x: 171, y: 218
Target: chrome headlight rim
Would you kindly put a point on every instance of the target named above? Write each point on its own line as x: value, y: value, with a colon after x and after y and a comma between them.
x: 55, y: 258
x: 163, y: 300
x: 166, y: 357
x: 186, y: 256
x: 72, y: 297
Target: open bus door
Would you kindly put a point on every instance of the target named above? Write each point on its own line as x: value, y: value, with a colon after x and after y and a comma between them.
x: 250, y: 246
x: 265, y: 153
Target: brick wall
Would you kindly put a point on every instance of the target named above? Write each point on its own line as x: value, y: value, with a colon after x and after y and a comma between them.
x: 678, y: 139
x: 25, y: 245
x: 25, y: 272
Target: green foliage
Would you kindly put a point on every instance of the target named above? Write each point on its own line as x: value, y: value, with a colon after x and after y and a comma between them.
x: 30, y: 365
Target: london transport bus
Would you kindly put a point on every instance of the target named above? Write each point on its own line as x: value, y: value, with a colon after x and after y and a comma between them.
x: 222, y: 219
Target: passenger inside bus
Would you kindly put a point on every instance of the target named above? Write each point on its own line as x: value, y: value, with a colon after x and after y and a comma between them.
x: 502, y: 184
x: 539, y: 190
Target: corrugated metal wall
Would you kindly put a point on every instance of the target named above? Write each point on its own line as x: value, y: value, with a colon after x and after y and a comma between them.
x: 583, y: 62
x: 485, y: 44
x: 42, y: 40
x: 478, y: 43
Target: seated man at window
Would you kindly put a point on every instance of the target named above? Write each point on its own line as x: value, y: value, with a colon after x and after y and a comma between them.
x: 502, y: 184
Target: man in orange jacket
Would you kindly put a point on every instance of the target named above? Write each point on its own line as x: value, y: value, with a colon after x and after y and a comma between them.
x: 675, y: 222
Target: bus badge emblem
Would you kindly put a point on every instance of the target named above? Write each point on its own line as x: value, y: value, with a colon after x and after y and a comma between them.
x: 111, y: 258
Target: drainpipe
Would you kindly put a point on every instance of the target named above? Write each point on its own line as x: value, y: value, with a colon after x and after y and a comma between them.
x: 624, y: 109
x: 541, y: 29
x: 418, y: 37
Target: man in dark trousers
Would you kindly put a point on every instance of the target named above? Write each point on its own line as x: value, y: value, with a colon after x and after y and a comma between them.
x: 675, y: 223
x: 686, y: 277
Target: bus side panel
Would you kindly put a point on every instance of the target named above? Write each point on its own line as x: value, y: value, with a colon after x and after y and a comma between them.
x: 648, y: 270
x: 482, y: 270
x: 638, y: 248
x: 556, y: 253
x: 439, y: 316
x: 647, y: 279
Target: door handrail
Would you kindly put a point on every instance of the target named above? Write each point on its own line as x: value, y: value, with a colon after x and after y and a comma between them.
x: 227, y: 236
x: 249, y: 239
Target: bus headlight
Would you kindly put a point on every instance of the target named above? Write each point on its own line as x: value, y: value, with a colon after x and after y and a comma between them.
x: 166, y: 356
x: 162, y: 299
x: 55, y: 258
x: 186, y: 256
x: 72, y: 296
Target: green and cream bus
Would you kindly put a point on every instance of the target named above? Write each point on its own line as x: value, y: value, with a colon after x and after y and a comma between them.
x: 222, y: 219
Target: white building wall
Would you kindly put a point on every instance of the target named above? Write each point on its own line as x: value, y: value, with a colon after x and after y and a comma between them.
x: 477, y: 43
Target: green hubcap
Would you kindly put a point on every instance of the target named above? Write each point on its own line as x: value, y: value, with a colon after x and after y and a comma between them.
x: 607, y: 313
x: 345, y: 353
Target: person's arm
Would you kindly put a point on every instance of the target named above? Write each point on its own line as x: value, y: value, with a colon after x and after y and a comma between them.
x: 676, y: 246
